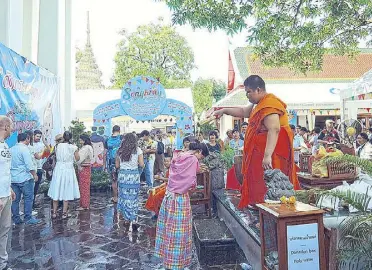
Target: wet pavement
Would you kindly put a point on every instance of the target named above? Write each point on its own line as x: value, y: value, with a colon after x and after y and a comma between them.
x: 95, y: 239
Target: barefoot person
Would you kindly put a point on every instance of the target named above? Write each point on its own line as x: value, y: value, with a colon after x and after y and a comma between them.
x: 268, y: 140
x: 174, y: 228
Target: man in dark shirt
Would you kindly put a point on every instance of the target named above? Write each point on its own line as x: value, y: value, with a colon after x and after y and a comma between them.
x: 329, y: 134
x: 243, y: 130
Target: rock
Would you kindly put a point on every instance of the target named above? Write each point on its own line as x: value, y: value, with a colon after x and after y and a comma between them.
x: 245, y: 266
x: 278, y: 185
x: 217, y: 179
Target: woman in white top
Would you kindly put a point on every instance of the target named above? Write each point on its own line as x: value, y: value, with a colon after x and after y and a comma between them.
x: 84, y: 168
x: 364, y: 151
x: 128, y: 159
x: 64, y: 186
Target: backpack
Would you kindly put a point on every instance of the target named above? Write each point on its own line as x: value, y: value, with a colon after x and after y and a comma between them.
x: 113, y: 144
x: 161, y: 148
x: 49, y: 165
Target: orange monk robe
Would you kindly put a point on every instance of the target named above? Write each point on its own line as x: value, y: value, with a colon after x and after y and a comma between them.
x: 254, y: 187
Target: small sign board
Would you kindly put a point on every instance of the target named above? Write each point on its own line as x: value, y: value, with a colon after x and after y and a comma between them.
x: 303, y: 247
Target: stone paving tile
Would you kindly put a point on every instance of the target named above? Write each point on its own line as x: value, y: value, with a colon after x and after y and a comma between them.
x: 95, y: 239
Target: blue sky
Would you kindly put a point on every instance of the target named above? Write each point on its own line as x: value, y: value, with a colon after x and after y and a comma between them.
x: 108, y: 17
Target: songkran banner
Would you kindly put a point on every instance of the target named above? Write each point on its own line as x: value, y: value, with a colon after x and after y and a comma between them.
x: 29, y: 96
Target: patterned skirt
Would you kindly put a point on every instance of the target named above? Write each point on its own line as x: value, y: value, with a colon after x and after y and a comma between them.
x: 174, y: 231
x: 128, y: 187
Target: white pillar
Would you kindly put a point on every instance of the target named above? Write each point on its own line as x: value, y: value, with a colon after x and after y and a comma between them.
x: 4, y: 21
x: 11, y: 24
x: 51, y: 44
x: 70, y: 85
x: 30, y: 29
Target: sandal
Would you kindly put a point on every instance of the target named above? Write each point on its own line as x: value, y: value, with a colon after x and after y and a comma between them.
x: 65, y: 215
x: 54, y: 215
x: 114, y: 200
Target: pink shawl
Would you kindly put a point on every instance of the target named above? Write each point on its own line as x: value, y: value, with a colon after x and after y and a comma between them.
x: 182, y: 172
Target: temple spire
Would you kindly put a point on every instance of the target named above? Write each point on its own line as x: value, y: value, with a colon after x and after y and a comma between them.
x: 88, y: 75
x: 88, y: 29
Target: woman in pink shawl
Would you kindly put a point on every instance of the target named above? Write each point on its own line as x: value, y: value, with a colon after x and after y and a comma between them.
x: 174, y: 228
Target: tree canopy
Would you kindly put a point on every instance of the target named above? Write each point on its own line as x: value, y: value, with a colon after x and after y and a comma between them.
x: 291, y: 33
x: 155, y: 50
x: 205, y: 92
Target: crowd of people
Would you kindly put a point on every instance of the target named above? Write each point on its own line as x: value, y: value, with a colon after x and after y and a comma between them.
x: 167, y: 174
x: 69, y: 169
x: 308, y: 142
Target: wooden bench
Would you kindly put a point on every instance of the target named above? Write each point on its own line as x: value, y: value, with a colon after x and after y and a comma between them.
x: 202, y: 194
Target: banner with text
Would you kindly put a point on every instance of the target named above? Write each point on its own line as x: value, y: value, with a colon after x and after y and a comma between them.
x: 29, y: 95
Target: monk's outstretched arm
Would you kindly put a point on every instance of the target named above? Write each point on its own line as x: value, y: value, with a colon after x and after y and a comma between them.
x: 243, y: 112
x: 272, y: 124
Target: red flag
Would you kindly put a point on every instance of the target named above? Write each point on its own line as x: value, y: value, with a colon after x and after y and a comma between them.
x: 231, y: 75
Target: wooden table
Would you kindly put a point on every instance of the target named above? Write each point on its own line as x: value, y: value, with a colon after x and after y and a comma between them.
x: 308, y: 181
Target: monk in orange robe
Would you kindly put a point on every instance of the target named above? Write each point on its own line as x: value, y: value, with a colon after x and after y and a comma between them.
x: 268, y: 142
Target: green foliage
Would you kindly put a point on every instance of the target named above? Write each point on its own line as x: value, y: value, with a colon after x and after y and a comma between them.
x: 77, y: 128
x: 228, y: 157
x: 219, y: 90
x: 100, y: 180
x: 206, y: 128
x: 295, y: 34
x: 355, y: 241
x: 205, y: 92
x: 353, y: 244
x: 357, y: 200
x: 155, y: 50
x: 202, y: 94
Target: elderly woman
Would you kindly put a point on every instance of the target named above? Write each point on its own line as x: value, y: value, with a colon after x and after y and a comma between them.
x: 364, y: 151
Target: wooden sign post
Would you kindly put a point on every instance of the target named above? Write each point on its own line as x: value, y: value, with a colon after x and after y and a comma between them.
x: 292, y: 237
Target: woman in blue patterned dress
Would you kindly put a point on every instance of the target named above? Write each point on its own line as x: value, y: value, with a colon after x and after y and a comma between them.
x: 129, y: 157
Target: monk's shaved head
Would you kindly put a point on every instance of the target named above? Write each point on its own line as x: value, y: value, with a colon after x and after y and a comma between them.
x: 4, y: 121
x: 254, y: 81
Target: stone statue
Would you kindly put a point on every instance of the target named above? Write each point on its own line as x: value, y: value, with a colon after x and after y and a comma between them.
x: 278, y: 185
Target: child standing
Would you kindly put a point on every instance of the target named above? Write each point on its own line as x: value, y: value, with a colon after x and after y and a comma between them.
x: 174, y: 228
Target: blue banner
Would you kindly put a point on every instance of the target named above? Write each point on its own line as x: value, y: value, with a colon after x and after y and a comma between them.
x: 292, y: 117
x: 29, y: 96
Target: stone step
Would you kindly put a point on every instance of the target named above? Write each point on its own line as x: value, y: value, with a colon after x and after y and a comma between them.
x: 215, y: 244
x: 242, y: 225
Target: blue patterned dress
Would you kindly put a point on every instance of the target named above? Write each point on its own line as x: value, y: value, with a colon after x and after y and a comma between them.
x: 128, y: 187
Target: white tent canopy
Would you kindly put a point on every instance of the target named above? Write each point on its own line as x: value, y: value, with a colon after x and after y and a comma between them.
x: 361, y: 86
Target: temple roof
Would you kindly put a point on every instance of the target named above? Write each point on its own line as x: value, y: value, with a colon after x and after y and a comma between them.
x: 335, y: 68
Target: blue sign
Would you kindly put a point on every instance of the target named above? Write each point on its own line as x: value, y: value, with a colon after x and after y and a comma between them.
x: 143, y: 98
x: 292, y: 117
x: 29, y: 96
